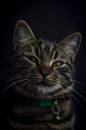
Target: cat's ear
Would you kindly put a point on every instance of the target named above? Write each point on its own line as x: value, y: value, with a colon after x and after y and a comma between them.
x: 22, y: 34
x: 71, y: 43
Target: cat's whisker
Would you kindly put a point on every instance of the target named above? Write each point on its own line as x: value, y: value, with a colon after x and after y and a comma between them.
x: 82, y: 97
x: 52, y: 79
x: 54, y: 82
x: 9, y: 77
x: 6, y: 77
x: 75, y: 99
x: 18, y: 77
x: 14, y: 77
x: 14, y: 83
x: 18, y: 88
x: 65, y: 92
x: 77, y: 82
x: 71, y: 96
x: 35, y: 76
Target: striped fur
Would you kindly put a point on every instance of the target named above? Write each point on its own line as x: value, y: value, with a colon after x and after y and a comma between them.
x: 39, y: 70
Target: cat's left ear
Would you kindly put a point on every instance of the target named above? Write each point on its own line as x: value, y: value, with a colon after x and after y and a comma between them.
x: 71, y: 43
x: 22, y: 34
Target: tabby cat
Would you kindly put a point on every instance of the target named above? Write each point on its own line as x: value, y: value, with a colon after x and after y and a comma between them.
x: 37, y: 88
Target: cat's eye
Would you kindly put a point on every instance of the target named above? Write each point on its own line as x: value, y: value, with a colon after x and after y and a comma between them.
x: 58, y: 64
x: 32, y: 58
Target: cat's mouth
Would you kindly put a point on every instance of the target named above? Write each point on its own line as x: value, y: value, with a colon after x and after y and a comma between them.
x: 42, y: 90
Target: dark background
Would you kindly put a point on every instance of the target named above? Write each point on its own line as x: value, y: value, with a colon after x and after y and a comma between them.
x: 52, y: 21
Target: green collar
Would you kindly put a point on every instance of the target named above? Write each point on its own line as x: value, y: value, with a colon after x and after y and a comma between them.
x: 55, y: 109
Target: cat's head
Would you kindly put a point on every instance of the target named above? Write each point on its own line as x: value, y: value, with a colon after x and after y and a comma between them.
x: 43, y: 68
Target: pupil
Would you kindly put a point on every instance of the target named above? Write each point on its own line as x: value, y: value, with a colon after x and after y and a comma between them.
x: 33, y: 59
x: 58, y: 63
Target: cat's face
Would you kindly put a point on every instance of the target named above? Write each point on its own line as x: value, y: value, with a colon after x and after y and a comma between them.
x: 43, y: 69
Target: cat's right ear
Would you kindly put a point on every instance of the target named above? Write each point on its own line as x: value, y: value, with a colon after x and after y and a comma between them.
x: 22, y: 34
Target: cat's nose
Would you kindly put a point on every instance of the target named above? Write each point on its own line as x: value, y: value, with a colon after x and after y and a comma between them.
x: 45, y: 70
x: 44, y: 73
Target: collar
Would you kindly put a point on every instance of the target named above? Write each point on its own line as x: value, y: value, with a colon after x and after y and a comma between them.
x: 55, y: 109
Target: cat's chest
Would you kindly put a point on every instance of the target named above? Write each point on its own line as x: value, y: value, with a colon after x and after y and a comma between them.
x: 32, y: 113
x: 36, y: 113
x: 26, y: 116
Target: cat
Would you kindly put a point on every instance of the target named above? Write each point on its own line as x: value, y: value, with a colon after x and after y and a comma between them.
x: 37, y: 88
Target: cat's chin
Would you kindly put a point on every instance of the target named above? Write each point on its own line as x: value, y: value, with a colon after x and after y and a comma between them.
x: 41, y: 91
x: 47, y: 90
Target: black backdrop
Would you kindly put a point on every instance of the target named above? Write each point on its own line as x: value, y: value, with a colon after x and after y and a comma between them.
x: 52, y: 21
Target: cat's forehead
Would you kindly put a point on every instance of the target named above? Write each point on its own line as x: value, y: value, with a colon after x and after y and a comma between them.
x: 46, y: 46
x: 51, y: 49
x: 42, y: 45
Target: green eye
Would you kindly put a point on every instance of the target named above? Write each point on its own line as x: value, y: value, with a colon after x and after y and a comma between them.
x: 32, y: 58
x: 58, y: 64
